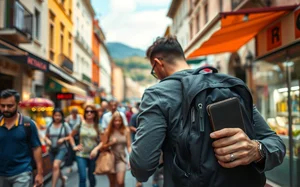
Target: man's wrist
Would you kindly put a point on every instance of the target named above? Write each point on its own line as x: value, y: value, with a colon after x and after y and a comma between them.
x: 40, y: 171
x: 259, y: 149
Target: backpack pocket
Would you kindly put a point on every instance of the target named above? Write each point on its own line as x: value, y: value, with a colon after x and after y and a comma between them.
x: 179, y: 176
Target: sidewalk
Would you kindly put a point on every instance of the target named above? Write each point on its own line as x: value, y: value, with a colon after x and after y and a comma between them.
x: 101, y: 180
x: 271, y: 184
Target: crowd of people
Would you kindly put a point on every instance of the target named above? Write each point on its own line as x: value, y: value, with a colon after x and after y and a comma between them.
x: 82, y: 138
x: 79, y: 138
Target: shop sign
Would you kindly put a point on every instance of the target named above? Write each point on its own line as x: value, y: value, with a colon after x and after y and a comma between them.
x: 297, y: 24
x: 37, y: 63
x: 64, y: 96
x: 274, y: 36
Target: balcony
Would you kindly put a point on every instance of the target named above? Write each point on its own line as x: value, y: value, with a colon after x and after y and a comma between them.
x: 66, y: 63
x: 15, y: 22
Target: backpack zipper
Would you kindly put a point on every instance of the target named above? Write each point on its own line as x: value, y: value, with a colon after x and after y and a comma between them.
x: 193, y: 118
x: 200, y: 106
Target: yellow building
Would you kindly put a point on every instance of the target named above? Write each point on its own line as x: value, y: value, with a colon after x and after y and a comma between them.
x: 60, y: 33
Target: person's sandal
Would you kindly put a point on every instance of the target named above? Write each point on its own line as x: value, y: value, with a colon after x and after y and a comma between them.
x: 63, y: 183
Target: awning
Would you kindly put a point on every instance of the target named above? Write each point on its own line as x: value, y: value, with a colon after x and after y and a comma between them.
x: 20, y: 55
x: 196, y: 60
x: 238, y: 28
x: 55, y: 85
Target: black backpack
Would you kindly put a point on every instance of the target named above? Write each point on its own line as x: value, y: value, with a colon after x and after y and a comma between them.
x: 26, y: 122
x: 194, y: 163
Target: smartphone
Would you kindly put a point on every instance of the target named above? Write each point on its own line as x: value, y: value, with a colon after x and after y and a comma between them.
x: 226, y: 114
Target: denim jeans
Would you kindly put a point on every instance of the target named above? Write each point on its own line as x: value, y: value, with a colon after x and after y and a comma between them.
x: 82, y: 164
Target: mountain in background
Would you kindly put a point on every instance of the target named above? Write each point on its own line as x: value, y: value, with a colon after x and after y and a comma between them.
x: 120, y: 51
x: 137, y: 68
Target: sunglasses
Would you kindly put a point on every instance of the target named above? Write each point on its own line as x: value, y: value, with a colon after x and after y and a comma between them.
x: 89, y: 111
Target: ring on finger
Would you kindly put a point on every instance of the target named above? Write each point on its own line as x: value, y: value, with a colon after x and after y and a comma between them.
x: 232, y: 157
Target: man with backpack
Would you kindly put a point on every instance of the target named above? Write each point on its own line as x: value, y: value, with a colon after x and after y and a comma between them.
x: 174, y: 119
x: 19, y: 145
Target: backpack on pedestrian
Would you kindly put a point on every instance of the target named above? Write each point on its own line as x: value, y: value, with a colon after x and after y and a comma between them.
x: 194, y: 163
x: 55, y: 150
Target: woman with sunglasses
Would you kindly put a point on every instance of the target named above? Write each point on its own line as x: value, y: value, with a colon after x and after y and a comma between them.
x: 88, y: 139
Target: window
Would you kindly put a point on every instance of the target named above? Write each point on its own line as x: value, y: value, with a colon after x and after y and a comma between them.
x: 221, y: 5
x: 62, y: 28
x: 51, y: 42
x: 77, y: 62
x: 70, y: 46
x: 191, y: 30
x: 206, y: 13
x: 37, y: 19
x: 51, y: 35
x: 198, y: 22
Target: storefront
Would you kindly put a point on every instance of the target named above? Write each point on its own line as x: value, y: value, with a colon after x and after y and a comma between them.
x: 277, y: 81
x: 17, y: 67
x: 65, y: 94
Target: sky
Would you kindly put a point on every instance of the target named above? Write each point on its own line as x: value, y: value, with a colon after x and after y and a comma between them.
x: 136, y: 23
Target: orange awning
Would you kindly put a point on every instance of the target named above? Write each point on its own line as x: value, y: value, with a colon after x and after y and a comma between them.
x: 237, y: 28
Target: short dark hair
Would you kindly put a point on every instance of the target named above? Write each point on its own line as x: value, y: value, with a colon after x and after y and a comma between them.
x: 59, y: 110
x: 10, y: 93
x: 168, y: 46
x: 113, y: 100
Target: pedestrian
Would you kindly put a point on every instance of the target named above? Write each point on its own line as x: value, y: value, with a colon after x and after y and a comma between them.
x: 100, y: 114
x: 133, y: 127
x: 133, y: 123
x: 129, y: 113
x: 20, y: 144
x: 113, y: 106
x: 57, y: 138
x: 73, y: 119
x: 229, y: 157
x: 89, y: 137
x: 116, y: 138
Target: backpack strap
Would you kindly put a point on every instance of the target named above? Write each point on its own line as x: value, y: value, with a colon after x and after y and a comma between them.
x: 65, y: 129
x: 48, y: 130
x: 26, y: 122
x: 197, y: 71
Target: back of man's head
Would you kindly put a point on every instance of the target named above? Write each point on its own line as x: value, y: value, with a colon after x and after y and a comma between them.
x: 10, y: 93
x: 166, y: 47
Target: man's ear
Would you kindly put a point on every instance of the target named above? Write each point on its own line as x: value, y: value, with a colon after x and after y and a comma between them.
x: 158, y: 61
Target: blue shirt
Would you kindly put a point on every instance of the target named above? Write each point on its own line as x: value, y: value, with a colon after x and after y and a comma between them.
x: 15, y: 153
